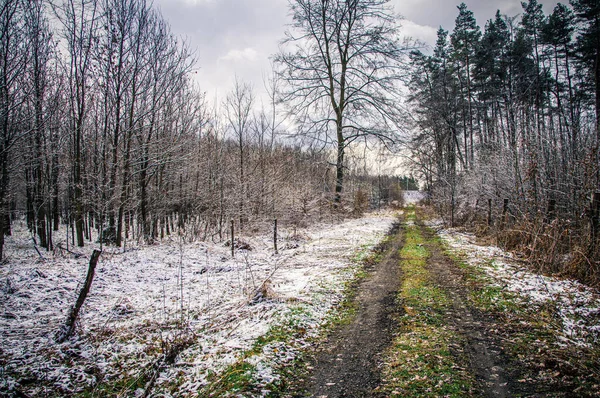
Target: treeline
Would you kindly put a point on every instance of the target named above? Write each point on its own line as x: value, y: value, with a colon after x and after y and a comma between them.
x: 103, y: 129
x: 508, y: 129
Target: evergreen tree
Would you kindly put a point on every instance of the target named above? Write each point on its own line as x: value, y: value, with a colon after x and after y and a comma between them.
x: 557, y: 33
x: 532, y: 23
x: 465, y: 40
x: 588, y: 46
x: 490, y: 74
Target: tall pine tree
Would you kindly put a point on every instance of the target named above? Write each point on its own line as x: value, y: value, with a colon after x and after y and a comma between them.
x: 588, y: 45
x: 465, y: 39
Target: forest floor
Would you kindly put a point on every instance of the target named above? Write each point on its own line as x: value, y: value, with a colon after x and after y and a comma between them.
x: 343, y: 310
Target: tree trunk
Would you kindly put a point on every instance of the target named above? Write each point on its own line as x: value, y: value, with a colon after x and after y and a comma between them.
x: 597, y: 78
x: 339, y: 166
x: 144, y: 195
x: 77, y: 181
x: 2, y: 228
x: 124, y: 188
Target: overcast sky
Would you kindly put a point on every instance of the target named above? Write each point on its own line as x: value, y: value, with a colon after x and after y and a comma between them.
x: 237, y: 37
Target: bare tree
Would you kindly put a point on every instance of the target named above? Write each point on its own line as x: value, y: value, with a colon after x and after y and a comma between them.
x: 168, y: 120
x: 13, y: 60
x: 39, y: 74
x: 79, y: 30
x: 120, y: 18
x: 342, y: 64
x: 238, y: 111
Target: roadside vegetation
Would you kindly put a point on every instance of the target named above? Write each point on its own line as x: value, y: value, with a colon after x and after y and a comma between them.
x: 531, y: 334
x: 433, y: 354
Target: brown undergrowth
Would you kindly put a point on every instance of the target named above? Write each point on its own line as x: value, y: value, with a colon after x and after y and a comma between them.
x: 552, y: 246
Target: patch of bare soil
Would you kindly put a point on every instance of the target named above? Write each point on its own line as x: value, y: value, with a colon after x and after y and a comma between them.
x: 348, y: 363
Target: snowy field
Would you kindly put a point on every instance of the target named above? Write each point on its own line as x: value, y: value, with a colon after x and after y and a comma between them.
x: 577, y: 306
x: 149, y: 296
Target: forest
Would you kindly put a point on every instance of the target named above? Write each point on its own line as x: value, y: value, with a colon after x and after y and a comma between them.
x: 104, y: 130
x: 380, y: 218
x: 507, y: 122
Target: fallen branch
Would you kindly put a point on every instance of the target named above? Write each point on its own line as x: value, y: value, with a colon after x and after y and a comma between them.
x: 36, y: 249
x: 77, y: 255
x: 69, y: 328
x: 171, y: 351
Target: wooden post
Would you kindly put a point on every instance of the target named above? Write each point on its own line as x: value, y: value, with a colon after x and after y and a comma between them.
x: 489, y: 220
x: 275, y: 235
x: 232, y: 243
x: 72, y: 320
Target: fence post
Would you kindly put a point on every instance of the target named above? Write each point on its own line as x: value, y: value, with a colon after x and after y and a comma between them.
x: 232, y: 243
x: 69, y: 327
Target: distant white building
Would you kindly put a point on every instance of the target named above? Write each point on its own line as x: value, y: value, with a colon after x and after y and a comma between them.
x: 413, y: 197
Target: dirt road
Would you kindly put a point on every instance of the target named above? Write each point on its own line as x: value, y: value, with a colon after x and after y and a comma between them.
x: 348, y: 365
x: 350, y: 362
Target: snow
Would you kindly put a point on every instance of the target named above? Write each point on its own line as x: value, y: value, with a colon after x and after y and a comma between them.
x: 150, y: 295
x: 577, y: 306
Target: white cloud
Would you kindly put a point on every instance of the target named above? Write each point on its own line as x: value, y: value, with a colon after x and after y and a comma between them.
x: 426, y: 34
x: 248, y: 54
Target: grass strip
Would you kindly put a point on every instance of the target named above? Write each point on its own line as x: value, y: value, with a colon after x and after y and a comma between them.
x: 422, y: 361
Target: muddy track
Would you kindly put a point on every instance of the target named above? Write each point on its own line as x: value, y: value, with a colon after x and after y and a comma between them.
x: 495, y: 372
x: 485, y: 355
x: 348, y: 363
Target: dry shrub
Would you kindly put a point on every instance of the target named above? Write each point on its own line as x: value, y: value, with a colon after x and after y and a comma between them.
x: 360, y: 203
x: 584, y: 267
x: 264, y: 292
x: 427, y: 213
x: 553, y: 248
x: 239, y: 244
x: 396, y: 197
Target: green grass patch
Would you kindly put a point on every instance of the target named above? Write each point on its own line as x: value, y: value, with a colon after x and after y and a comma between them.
x: 237, y: 378
x: 240, y: 377
x: 492, y: 298
x: 421, y: 362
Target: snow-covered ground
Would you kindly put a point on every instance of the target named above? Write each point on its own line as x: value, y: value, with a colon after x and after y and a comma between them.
x: 144, y: 298
x: 577, y: 306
